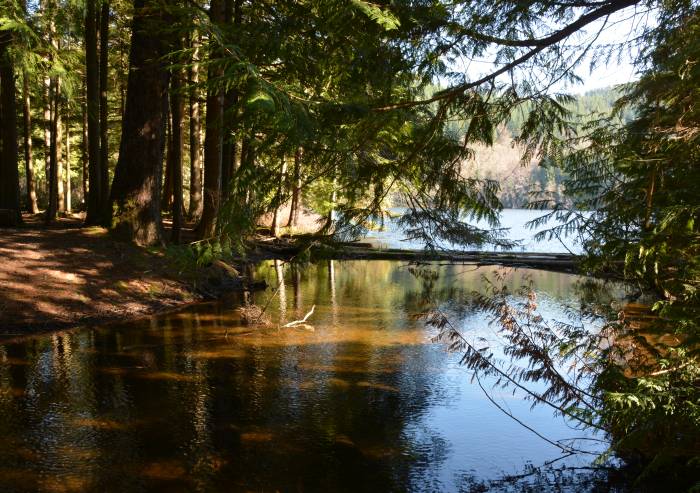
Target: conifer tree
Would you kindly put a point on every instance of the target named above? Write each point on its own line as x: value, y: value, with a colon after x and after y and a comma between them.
x: 135, y: 193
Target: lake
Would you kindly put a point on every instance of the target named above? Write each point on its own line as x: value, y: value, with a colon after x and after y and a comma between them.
x: 514, y: 219
x: 196, y: 400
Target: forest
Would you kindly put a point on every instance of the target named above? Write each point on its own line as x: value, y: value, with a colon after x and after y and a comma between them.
x: 146, y: 144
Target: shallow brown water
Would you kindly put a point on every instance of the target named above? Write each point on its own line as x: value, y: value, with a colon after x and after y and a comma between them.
x: 197, y: 401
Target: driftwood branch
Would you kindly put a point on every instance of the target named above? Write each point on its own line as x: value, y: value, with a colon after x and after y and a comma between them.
x: 302, y: 322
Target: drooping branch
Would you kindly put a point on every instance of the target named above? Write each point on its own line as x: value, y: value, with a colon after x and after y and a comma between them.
x: 604, y: 10
x: 538, y: 45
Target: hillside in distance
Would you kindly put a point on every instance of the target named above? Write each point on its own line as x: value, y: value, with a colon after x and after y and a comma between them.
x: 502, y: 161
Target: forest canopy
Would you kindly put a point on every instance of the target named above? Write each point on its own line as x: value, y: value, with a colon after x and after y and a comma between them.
x: 339, y: 103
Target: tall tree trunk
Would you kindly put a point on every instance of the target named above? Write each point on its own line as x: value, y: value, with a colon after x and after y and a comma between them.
x: 58, y: 136
x: 247, y: 164
x: 649, y: 199
x: 104, y: 113
x: 228, y: 151
x: 276, y: 215
x: 296, y: 190
x: 56, y: 127
x: 32, y: 205
x: 84, y: 157
x: 195, y: 134
x: 47, y: 128
x: 9, y: 174
x: 213, y: 137
x: 135, y: 189
x: 167, y: 199
x: 68, y: 184
x: 175, y: 153
x: 332, y: 199
x: 46, y: 8
x: 232, y: 16
x: 92, y: 76
x: 53, y: 178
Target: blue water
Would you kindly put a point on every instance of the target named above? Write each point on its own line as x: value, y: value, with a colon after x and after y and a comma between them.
x: 391, y: 236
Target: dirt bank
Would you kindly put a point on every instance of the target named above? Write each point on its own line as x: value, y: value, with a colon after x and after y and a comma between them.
x: 62, y: 276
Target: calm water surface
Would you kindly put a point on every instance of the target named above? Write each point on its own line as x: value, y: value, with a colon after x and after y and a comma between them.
x: 514, y: 220
x: 197, y: 401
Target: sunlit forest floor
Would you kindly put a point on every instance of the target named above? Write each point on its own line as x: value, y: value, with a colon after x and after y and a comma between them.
x: 64, y: 275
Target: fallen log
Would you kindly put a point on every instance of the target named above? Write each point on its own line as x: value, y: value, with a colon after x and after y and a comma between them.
x: 561, y: 262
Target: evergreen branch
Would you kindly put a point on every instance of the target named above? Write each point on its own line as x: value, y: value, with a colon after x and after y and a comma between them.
x: 539, y: 46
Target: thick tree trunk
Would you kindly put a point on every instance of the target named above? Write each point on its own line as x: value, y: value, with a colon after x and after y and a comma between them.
x: 213, y: 139
x: 175, y: 153
x: 9, y: 174
x: 104, y: 113
x: 135, y: 189
x: 32, y: 205
x: 195, y: 210
x: 94, y: 200
x: 296, y: 190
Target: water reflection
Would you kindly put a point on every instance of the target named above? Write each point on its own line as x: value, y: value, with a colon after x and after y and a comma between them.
x: 198, y: 401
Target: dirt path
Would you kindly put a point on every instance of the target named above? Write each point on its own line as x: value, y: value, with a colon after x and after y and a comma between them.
x: 66, y: 275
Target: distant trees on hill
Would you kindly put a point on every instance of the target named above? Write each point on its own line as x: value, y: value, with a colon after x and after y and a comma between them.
x: 502, y: 161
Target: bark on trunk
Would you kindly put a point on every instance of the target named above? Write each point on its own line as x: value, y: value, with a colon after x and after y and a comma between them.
x: 276, y: 216
x: 228, y: 152
x: 195, y: 210
x: 175, y: 153
x: 59, y: 152
x: 57, y: 133
x: 84, y: 156
x: 55, y: 186
x: 104, y: 124
x: 68, y: 200
x: 213, y: 140
x: 296, y: 191
x: 9, y: 174
x: 94, y: 201
x: 47, y: 128
x: 233, y: 16
x: 247, y: 164
x: 332, y: 199
x: 32, y: 205
x: 167, y: 199
x: 135, y: 189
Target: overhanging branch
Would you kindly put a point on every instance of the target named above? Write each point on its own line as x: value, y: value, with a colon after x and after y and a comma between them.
x: 537, y: 45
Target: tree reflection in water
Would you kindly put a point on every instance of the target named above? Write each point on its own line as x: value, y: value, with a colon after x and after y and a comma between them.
x: 196, y: 400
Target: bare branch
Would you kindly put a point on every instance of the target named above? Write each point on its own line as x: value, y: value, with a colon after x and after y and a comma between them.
x: 302, y: 321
